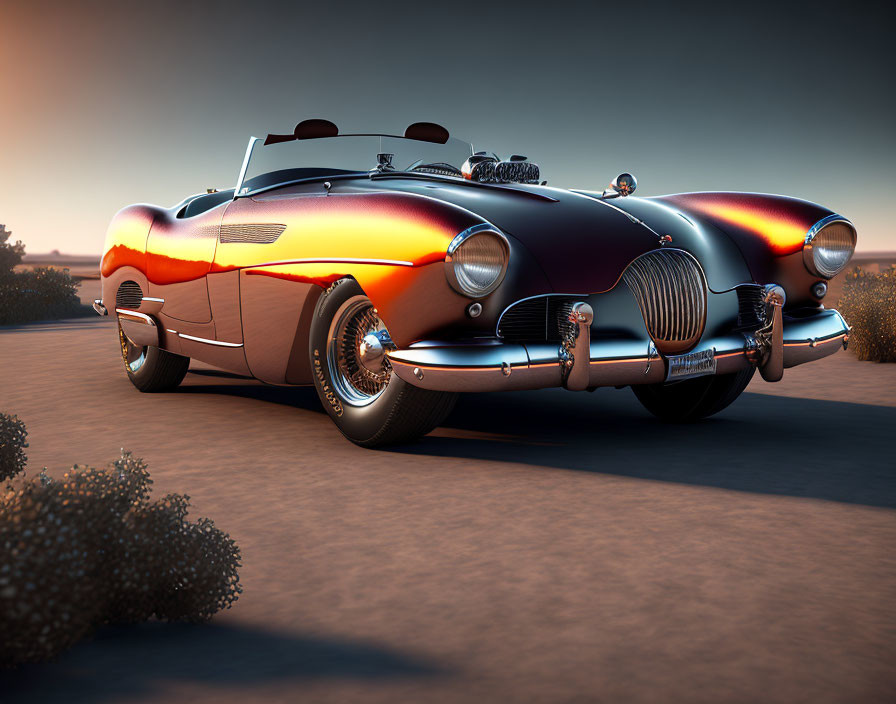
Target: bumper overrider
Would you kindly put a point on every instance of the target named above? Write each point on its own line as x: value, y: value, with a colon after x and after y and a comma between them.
x: 580, y: 362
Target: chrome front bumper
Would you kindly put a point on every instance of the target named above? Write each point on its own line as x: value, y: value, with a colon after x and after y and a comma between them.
x: 496, y: 366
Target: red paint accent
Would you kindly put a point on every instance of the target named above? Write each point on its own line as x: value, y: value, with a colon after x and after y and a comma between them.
x: 433, y: 258
x: 118, y: 256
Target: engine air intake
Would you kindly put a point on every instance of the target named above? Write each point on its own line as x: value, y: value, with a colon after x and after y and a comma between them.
x: 671, y: 292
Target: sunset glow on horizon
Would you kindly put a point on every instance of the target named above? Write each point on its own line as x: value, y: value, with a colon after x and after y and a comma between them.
x: 108, y: 104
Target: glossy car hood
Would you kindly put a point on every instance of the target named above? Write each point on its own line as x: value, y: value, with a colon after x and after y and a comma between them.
x: 583, y: 244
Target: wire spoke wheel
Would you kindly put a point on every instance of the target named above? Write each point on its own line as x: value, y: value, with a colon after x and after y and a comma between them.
x: 356, y: 345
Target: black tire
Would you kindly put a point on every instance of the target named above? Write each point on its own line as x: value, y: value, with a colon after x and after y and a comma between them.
x: 693, y: 399
x: 151, y: 369
x: 387, y: 410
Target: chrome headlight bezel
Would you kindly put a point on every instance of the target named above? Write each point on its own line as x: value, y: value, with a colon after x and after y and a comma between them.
x: 817, y: 252
x: 459, y: 280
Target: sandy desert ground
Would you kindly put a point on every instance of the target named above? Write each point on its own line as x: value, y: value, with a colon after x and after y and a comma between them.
x: 540, y: 547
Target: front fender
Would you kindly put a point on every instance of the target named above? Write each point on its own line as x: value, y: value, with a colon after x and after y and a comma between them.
x: 768, y: 230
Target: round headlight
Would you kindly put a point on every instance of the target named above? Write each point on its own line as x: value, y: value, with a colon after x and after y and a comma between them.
x: 476, y: 261
x: 829, y: 246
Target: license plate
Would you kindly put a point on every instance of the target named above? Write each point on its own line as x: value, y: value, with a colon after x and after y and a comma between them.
x: 686, y: 366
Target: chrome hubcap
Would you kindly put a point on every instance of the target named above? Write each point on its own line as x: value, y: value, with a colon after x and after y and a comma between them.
x: 371, y: 353
x: 356, y: 352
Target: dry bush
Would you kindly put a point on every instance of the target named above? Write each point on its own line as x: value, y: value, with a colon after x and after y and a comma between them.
x: 868, y: 303
x: 12, y: 446
x: 92, y: 549
x: 39, y: 294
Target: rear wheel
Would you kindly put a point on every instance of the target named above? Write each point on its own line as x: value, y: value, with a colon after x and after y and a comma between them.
x: 353, y: 377
x: 151, y: 369
x: 693, y: 399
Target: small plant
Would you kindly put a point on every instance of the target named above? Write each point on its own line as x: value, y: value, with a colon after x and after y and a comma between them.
x: 92, y: 549
x: 12, y: 446
x: 868, y: 303
x: 33, y: 295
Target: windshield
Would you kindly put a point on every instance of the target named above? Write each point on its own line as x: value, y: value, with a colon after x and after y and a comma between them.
x: 272, y: 164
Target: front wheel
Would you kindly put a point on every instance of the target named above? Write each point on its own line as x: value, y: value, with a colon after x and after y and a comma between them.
x: 693, y: 399
x: 151, y: 369
x: 353, y: 377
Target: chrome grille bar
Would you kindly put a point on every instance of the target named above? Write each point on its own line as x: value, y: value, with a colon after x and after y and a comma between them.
x: 671, y: 293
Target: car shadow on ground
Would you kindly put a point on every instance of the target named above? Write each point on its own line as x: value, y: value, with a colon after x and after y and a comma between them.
x: 765, y: 444
x: 215, y: 381
x: 134, y: 662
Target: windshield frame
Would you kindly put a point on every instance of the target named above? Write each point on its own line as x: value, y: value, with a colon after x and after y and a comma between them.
x: 241, y: 192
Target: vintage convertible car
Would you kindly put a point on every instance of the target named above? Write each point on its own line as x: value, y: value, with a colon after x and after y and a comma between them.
x: 393, y: 272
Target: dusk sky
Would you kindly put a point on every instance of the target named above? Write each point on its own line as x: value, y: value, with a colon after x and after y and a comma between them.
x: 103, y: 104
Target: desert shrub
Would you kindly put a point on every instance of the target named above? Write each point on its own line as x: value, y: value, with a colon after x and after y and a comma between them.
x: 40, y: 294
x: 91, y: 549
x: 868, y: 303
x: 10, y: 254
x: 12, y: 446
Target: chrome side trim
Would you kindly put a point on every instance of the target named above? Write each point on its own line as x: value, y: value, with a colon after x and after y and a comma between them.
x: 153, y: 300
x: 334, y: 260
x: 209, y: 342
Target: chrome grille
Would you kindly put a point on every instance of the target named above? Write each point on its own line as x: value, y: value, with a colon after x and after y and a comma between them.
x: 670, y: 289
x: 538, y: 319
x: 129, y: 295
x: 751, y: 313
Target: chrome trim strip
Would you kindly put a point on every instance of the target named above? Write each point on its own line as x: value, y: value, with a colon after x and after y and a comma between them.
x: 139, y: 317
x: 245, y: 166
x: 335, y: 260
x: 154, y: 300
x: 819, y: 226
x: 475, y: 230
x: 210, y: 342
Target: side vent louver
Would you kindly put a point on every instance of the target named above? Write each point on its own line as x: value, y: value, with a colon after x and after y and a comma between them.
x: 129, y: 295
x: 250, y: 234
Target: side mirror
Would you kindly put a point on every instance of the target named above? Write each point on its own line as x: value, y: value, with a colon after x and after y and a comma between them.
x: 624, y: 184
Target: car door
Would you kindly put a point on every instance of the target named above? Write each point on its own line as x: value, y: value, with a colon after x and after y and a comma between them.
x: 180, y: 252
x: 266, y: 313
